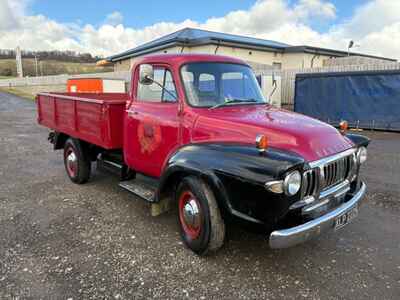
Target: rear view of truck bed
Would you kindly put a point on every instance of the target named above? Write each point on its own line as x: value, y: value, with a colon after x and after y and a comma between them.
x: 94, y: 118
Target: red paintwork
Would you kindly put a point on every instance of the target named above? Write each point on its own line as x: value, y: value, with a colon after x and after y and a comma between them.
x: 152, y: 132
x: 284, y: 130
x: 95, y: 118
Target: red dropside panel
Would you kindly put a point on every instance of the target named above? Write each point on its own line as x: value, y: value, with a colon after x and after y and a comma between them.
x: 94, y: 118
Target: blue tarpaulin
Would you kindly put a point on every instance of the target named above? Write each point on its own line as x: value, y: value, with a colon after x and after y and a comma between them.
x: 367, y: 99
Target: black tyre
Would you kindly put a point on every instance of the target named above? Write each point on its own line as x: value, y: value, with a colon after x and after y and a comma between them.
x: 76, y: 161
x: 201, y: 225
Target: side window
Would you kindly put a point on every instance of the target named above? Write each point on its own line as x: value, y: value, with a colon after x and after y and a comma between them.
x: 153, y: 92
x: 169, y: 85
x: 207, y: 83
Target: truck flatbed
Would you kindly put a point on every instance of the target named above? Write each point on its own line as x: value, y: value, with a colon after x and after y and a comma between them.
x: 95, y: 118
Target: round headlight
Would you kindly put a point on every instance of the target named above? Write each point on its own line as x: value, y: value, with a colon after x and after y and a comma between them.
x: 292, y: 183
x: 362, y: 155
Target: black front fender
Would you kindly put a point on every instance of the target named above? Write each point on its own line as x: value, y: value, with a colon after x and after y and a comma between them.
x: 227, y: 168
x: 358, y: 140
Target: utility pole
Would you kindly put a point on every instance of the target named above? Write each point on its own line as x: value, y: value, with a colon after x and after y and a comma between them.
x: 36, y: 65
x: 18, y: 58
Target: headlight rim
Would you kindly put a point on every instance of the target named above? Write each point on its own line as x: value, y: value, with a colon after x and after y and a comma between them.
x: 286, y: 187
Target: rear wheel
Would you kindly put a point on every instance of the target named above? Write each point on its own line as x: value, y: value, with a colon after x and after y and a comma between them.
x: 77, y: 162
x: 201, y: 225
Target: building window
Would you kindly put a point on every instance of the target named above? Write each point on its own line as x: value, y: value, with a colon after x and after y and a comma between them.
x: 277, y: 65
x: 207, y: 83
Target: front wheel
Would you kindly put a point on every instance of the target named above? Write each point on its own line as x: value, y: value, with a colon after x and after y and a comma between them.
x: 201, y: 225
x: 76, y: 161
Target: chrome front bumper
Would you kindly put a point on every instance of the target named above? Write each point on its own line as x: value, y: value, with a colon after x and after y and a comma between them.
x: 292, y: 236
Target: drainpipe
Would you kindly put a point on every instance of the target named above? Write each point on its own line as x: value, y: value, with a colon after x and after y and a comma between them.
x: 216, y: 49
x: 312, y: 59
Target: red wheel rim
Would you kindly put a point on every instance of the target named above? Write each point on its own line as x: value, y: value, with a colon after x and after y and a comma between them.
x: 190, y: 215
x: 71, y: 162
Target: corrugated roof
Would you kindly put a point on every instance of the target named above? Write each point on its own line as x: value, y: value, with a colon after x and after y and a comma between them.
x: 195, y: 37
x: 191, y: 36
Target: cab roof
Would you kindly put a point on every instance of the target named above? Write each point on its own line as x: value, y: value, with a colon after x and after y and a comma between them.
x: 180, y: 59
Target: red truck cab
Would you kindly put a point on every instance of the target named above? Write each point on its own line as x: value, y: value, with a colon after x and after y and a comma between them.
x: 195, y: 130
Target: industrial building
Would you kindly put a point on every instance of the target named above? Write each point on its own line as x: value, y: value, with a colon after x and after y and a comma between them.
x: 274, y: 54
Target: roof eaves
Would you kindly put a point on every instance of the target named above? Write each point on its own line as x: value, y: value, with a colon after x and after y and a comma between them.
x: 132, y: 53
x: 246, y: 46
x: 340, y: 53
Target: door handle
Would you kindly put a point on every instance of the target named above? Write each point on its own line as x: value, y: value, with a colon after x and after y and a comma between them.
x: 132, y: 112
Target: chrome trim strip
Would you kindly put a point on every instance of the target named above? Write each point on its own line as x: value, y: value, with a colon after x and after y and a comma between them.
x: 306, y: 201
x: 336, y: 188
x: 292, y: 236
x: 316, y: 205
x: 270, y: 184
x: 329, y: 159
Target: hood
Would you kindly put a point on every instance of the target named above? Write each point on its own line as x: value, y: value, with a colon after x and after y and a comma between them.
x: 285, y: 130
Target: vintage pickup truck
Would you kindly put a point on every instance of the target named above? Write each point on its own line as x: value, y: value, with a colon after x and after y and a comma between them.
x: 195, y: 131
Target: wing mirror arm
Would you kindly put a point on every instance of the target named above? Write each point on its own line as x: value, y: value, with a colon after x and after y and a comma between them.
x: 146, y: 77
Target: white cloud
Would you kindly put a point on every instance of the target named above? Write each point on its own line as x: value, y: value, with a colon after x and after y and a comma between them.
x: 375, y: 26
x: 7, y: 19
x: 306, y: 9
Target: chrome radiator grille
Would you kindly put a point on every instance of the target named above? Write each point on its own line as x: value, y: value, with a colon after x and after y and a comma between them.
x: 337, y: 171
x: 310, y: 183
x: 323, y: 176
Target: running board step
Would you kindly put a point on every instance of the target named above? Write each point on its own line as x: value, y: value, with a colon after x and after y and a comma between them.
x: 140, y: 188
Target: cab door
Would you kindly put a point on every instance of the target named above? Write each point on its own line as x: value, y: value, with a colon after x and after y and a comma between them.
x: 153, y: 126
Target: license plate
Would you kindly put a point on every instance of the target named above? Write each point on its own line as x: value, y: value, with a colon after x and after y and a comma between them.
x: 346, y: 218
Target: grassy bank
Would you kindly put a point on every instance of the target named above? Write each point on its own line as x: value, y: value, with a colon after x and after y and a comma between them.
x: 49, y: 67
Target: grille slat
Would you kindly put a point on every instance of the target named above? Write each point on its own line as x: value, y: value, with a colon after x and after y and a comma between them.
x: 310, y: 183
x: 336, y: 171
x: 333, y: 173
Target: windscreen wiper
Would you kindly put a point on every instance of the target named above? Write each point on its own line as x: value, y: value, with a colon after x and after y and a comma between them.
x: 230, y: 101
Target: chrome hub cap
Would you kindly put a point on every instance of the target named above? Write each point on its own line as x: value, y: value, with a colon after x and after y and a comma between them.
x: 191, y: 214
x: 71, y: 158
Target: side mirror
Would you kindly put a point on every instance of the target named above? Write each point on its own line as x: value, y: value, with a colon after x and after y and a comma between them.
x: 146, y: 74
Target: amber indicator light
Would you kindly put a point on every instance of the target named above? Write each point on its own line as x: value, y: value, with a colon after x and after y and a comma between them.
x: 343, y: 126
x: 261, y: 142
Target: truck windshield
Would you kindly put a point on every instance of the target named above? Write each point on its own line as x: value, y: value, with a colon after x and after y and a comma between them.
x: 220, y: 84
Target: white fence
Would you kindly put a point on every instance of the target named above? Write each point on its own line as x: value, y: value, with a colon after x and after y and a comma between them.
x: 60, y: 79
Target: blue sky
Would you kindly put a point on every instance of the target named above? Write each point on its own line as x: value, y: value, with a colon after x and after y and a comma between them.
x: 108, y: 27
x: 139, y: 14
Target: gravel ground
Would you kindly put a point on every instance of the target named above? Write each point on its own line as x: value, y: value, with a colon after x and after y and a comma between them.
x: 66, y: 241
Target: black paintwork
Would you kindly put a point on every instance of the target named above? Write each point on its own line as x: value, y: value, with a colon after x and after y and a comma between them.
x: 358, y: 140
x: 237, y: 174
x: 58, y: 139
